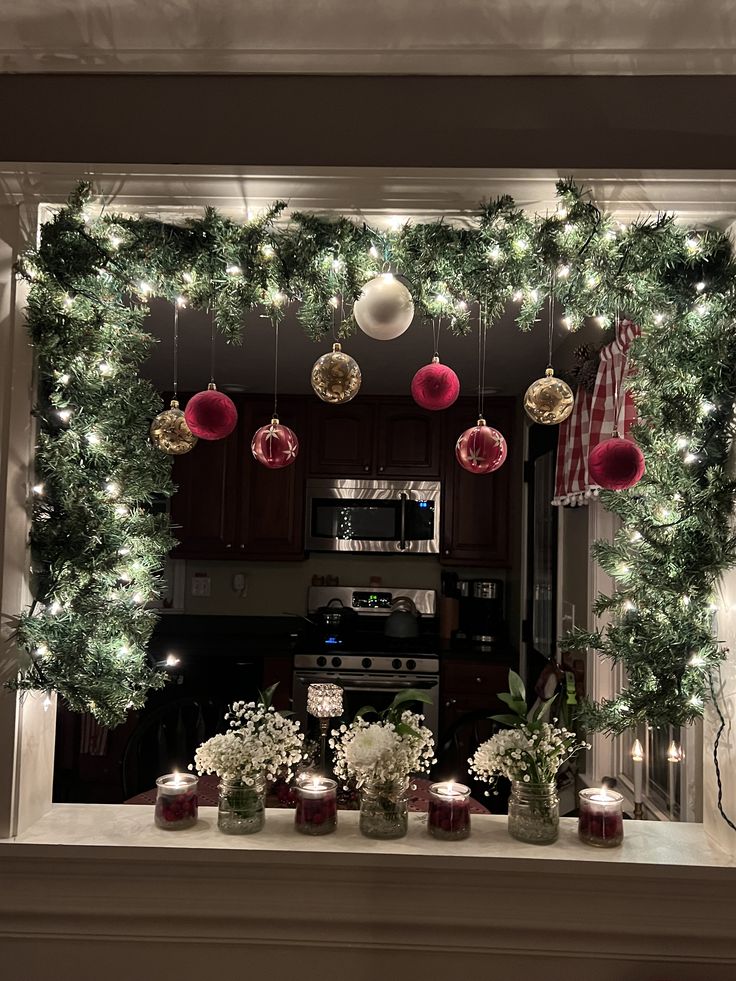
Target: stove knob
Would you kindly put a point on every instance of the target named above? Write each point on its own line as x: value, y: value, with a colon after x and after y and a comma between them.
x: 411, y: 665
x: 336, y: 662
x: 321, y: 661
x: 367, y: 662
x: 396, y: 664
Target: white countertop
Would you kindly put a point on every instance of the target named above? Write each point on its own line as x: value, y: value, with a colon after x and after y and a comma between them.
x: 127, y: 833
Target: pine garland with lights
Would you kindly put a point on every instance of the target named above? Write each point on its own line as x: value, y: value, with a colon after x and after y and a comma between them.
x: 98, y: 548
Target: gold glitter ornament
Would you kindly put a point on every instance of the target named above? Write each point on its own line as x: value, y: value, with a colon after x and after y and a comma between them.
x: 336, y: 376
x: 549, y: 400
x: 170, y: 433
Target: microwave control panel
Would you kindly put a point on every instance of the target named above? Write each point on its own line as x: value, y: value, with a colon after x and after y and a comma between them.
x: 372, y: 601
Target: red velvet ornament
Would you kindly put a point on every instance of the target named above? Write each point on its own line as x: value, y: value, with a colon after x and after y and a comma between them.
x: 481, y: 449
x: 211, y: 414
x: 275, y: 446
x: 435, y: 386
x: 616, y: 463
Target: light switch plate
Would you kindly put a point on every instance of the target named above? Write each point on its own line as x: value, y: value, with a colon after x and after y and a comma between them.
x: 201, y: 584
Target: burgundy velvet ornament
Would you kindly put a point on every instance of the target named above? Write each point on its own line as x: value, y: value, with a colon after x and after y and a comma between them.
x: 211, y: 414
x: 275, y: 446
x: 616, y: 463
x: 435, y: 386
x: 481, y: 449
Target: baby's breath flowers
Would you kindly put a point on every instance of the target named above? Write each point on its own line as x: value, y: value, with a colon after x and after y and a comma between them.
x: 531, y: 753
x: 382, y: 752
x: 261, y: 744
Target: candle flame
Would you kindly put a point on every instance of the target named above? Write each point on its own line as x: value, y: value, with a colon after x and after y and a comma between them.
x: 637, y: 752
x: 177, y: 781
x: 674, y: 753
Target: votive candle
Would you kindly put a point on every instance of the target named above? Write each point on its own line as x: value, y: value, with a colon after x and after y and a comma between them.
x: 176, y: 801
x: 601, y: 819
x: 316, y: 806
x: 448, y: 815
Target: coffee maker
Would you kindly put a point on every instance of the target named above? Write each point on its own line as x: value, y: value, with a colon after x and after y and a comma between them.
x: 481, y: 618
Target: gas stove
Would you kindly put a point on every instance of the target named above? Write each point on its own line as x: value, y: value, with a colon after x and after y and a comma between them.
x: 369, y: 661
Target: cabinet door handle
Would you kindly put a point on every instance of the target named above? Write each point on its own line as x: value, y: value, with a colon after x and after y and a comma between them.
x: 450, y: 701
x: 381, y: 469
x: 479, y: 680
x: 228, y: 545
x: 366, y: 468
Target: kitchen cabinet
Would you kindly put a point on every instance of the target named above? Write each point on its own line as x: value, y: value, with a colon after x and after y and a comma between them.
x: 341, y: 438
x: 476, y: 508
x: 374, y: 437
x: 228, y: 506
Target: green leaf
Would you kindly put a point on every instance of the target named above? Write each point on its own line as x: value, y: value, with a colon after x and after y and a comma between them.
x: 266, y: 697
x: 410, y: 695
x: 516, y: 686
x: 366, y: 710
x: 536, y: 714
x: 506, y: 720
x: 514, y: 703
x: 404, y: 730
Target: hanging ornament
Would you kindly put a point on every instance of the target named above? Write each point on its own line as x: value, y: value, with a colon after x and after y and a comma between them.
x: 481, y: 449
x: 169, y: 431
x: 549, y: 400
x: 275, y: 446
x: 384, y: 309
x: 211, y: 414
x: 616, y: 464
x: 336, y: 376
x: 435, y: 386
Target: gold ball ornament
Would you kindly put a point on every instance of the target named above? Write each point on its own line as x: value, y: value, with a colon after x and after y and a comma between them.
x: 549, y: 400
x: 170, y: 433
x: 384, y: 309
x: 336, y: 376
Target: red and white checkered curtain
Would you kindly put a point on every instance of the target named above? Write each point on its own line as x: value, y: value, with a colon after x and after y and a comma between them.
x: 594, y: 419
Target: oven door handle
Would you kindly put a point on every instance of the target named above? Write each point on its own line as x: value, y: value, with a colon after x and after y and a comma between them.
x: 403, y: 497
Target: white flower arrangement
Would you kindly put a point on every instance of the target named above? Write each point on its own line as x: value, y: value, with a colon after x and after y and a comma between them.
x: 532, y: 751
x: 261, y: 745
x: 382, y: 752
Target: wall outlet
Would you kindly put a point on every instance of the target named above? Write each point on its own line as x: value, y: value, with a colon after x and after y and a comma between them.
x: 240, y: 584
x: 201, y: 584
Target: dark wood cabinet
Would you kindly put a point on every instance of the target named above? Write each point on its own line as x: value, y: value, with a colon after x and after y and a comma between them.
x: 204, y: 510
x: 408, y: 440
x: 341, y: 439
x: 476, y: 508
x: 228, y: 506
x: 374, y: 438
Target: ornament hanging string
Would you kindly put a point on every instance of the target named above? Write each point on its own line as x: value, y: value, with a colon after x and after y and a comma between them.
x: 275, y: 325
x: 436, y: 327
x: 482, y: 343
x: 616, y: 391
x: 176, y: 349
x: 551, y: 315
x: 212, y: 345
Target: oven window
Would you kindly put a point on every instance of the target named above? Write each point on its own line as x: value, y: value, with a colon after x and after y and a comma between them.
x: 348, y: 520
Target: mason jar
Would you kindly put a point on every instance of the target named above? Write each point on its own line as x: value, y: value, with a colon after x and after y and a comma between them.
x: 384, y: 809
x: 534, y: 812
x: 241, y: 808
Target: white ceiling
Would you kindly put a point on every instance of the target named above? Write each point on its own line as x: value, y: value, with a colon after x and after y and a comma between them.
x: 436, y: 37
x: 514, y: 358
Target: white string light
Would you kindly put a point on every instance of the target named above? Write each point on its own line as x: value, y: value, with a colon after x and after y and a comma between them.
x: 267, y: 250
x: 234, y: 271
x: 38, y: 490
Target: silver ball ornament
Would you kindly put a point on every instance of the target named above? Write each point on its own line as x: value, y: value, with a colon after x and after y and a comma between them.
x: 385, y: 309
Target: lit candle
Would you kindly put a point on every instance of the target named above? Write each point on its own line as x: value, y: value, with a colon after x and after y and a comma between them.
x: 448, y: 815
x: 176, y: 801
x: 674, y: 753
x: 601, y: 820
x: 316, y: 806
x: 637, y: 756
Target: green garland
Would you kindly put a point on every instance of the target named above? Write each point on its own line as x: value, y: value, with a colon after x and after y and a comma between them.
x: 98, y: 546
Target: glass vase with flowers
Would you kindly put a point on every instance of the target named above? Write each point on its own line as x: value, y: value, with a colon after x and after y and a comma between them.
x: 530, y: 754
x: 260, y: 746
x: 378, y: 758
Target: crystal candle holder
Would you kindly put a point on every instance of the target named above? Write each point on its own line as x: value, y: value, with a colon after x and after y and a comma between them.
x: 601, y: 820
x: 176, y: 801
x: 324, y: 701
x: 448, y: 815
x: 316, y: 806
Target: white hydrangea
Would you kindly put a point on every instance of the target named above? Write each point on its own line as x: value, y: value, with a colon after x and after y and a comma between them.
x: 531, y: 755
x: 377, y: 752
x: 261, y: 745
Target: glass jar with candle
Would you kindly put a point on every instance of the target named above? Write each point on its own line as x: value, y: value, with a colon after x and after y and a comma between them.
x: 241, y: 807
x: 601, y: 820
x: 176, y: 801
x: 534, y: 812
x: 448, y: 815
x: 316, y: 805
x: 384, y: 809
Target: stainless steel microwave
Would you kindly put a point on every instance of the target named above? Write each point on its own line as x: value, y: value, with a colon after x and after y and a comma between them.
x: 373, y: 516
